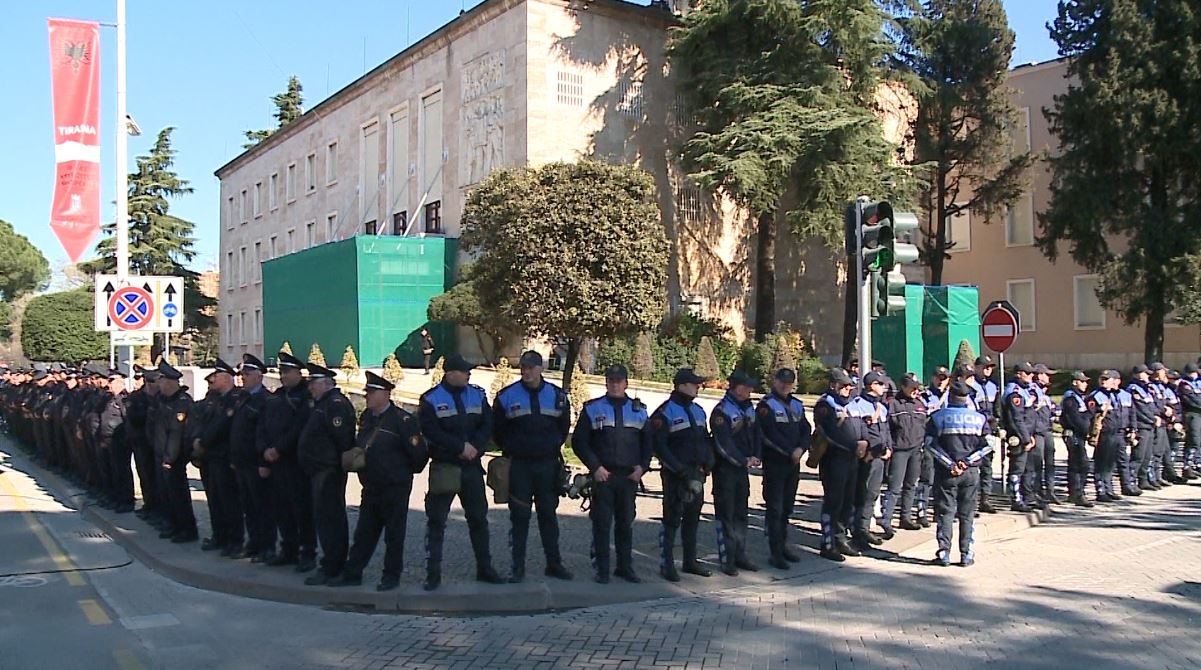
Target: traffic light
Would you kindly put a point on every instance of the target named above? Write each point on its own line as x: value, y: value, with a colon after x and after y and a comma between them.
x: 887, y: 292
x: 886, y: 237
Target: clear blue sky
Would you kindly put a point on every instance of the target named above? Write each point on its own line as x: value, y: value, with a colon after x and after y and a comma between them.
x: 209, y: 69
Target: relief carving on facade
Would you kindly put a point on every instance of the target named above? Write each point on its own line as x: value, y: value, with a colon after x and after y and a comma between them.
x: 483, y: 127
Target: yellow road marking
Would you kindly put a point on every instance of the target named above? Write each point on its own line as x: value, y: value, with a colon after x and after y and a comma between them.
x: 127, y: 660
x: 94, y: 612
x: 52, y: 549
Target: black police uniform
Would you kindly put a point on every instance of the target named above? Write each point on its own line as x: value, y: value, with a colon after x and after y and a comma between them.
x: 1041, y: 462
x: 328, y: 432
x: 1147, y: 411
x: 842, y: 424
x: 1189, y: 392
x: 530, y: 426
x: 784, y: 429
x: 736, y: 440
x: 683, y: 446
x: 1075, y: 420
x: 907, y: 423
x: 170, y: 441
x: 285, y: 414
x: 254, y: 490
x: 871, y: 466
x: 137, y: 408
x: 450, y: 417
x: 114, y: 440
x: 220, y: 480
x: 955, y: 436
x: 1017, y: 418
x: 613, y: 433
x: 395, y: 450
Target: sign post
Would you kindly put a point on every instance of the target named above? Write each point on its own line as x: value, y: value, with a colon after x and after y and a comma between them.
x: 999, y: 326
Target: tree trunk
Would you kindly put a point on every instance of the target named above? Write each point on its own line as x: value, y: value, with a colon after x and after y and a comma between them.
x: 573, y: 354
x: 1153, y: 333
x: 940, y: 229
x: 850, y: 317
x: 479, y: 340
x: 765, y: 276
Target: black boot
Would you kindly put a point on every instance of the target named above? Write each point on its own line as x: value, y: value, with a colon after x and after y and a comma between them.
x: 667, y: 541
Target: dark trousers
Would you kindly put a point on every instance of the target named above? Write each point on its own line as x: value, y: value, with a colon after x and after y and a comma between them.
x: 1033, y: 474
x: 179, y: 499
x: 731, y: 488
x: 474, y: 499
x: 1123, y: 460
x: 681, y: 516
x: 255, y: 494
x: 985, y: 487
x: 1166, y: 463
x: 534, y: 484
x: 292, y: 504
x: 839, y: 472
x: 383, y: 510
x: 871, y: 477
x: 780, y: 480
x: 925, y: 482
x: 1077, y: 465
x: 612, y: 514
x: 1105, y: 461
x: 955, y: 498
x: 904, y: 468
x: 143, y: 460
x: 329, y: 513
x: 1048, y: 469
x: 225, y: 508
x: 121, y: 475
x: 1141, y: 454
x: 1192, y: 440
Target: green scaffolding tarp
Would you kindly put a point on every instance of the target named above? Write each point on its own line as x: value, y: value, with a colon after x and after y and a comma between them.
x: 927, y: 334
x: 369, y: 292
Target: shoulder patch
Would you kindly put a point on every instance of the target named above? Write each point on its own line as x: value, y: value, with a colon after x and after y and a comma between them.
x: 229, y: 412
x: 1017, y: 401
x: 718, y: 419
x: 657, y: 421
x: 337, y: 421
x: 415, y: 440
x: 764, y: 409
x: 180, y: 416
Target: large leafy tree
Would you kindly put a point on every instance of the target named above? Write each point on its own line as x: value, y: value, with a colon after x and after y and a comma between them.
x: 23, y: 269
x: 568, y: 251
x: 958, y: 52
x: 160, y: 243
x: 289, y: 105
x: 1125, y: 181
x: 783, y: 93
x: 461, y: 306
x: 58, y: 327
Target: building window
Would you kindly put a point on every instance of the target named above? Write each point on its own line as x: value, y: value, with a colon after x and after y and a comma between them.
x: 273, y: 192
x: 569, y: 88
x: 433, y: 218
x: 245, y: 205
x: 229, y: 271
x: 1019, y: 224
x: 272, y: 248
x: 242, y: 266
x: 242, y: 328
x: 229, y: 331
x: 331, y: 226
x: 258, y: 326
x: 369, y: 228
x: 290, y: 183
x: 1021, y: 296
x: 258, y: 262
x: 291, y: 240
x: 310, y: 234
x: 630, y: 104
x: 400, y: 222
x: 369, y: 175
x: 231, y: 213
x: 959, y: 231
x: 331, y: 162
x: 310, y: 173
x: 1090, y: 315
x: 431, y: 146
x: 1021, y: 132
x: 398, y: 162
x: 258, y: 199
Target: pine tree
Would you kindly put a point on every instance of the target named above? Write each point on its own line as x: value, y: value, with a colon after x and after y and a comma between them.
x: 577, y: 396
x: 706, y: 360
x: 287, y: 348
x: 315, y: 355
x: 785, y: 347
x: 1124, y: 197
x: 644, y: 357
x: 502, y: 378
x: 393, y: 371
x: 959, y: 51
x: 350, y: 362
x: 966, y: 356
x: 289, y: 106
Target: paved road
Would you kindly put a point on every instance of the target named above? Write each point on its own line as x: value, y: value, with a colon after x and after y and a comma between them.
x: 1117, y: 587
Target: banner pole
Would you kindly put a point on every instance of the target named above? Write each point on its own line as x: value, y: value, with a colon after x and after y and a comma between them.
x: 121, y: 149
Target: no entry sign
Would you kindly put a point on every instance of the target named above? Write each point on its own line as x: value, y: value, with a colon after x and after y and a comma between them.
x: 999, y: 327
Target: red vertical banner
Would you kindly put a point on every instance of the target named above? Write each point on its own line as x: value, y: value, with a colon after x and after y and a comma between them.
x: 75, y: 81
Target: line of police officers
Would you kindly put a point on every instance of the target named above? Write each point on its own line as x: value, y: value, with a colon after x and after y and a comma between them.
x: 275, y: 464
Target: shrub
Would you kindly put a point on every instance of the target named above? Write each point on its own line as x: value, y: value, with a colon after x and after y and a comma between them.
x: 613, y: 352
x: 706, y: 360
x: 59, y: 327
x: 644, y: 359
x: 812, y: 376
x: 315, y: 355
x: 755, y: 359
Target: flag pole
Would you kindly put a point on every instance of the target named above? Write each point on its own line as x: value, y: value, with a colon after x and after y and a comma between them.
x: 121, y: 233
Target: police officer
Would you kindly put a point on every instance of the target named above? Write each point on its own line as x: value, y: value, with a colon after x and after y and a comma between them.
x: 1173, y: 441
x: 738, y: 446
x: 328, y: 432
x: 1124, y: 405
x: 932, y: 396
x: 1042, y: 459
x: 114, y: 439
x: 984, y: 395
x: 685, y: 450
x: 252, y: 471
x: 173, y: 407
x: 907, y: 417
x: 137, y: 411
x: 394, y: 450
x: 285, y: 414
x: 1189, y: 392
x: 1111, y: 439
x: 530, y: 423
x: 612, y: 437
x: 457, y: 423
x: 1076, y: 423
x: 786, y: 435
x: 956, y: 440
x: 1146, y: 421
x: 1018, y: 421
x: 874, y: 411
x: 841, y: 431
x: 212, y: 447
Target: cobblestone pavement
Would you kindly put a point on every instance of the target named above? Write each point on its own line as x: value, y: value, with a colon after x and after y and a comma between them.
x: 1115, y: 587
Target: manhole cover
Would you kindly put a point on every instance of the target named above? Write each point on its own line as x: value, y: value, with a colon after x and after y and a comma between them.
x: 91, y: 534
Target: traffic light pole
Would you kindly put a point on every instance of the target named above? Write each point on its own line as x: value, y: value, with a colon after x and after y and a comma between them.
x: 865, y: 296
